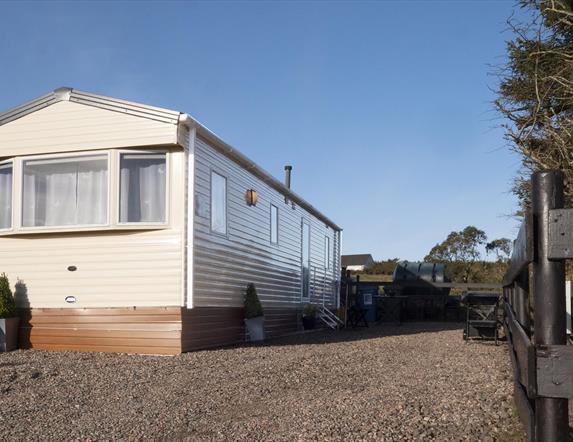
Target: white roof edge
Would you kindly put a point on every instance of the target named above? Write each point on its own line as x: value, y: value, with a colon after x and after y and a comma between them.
x: 164, y: 115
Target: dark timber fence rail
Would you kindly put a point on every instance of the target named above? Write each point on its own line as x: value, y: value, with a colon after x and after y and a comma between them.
x: 535, y: 281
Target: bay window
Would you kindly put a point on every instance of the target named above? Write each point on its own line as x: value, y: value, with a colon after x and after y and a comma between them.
x: 6, y: 171
x: 143, y: 185
x: 65, y: 191
x: 107, y: 189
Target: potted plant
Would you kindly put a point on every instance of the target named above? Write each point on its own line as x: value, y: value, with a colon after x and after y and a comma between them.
x: 254, y: 318
x: 9, y: 320
x: 309, y: 317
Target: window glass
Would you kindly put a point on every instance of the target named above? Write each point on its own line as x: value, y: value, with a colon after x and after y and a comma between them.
x: 143, y: 188
x: 5, y: 196
x: 305, y: 260
x: 274, y: 224
x: 65, y: 191
x: 327, y: 262
x: 218, y: 203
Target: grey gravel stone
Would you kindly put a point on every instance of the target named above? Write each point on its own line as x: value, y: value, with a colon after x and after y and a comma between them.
x: 415, y: 382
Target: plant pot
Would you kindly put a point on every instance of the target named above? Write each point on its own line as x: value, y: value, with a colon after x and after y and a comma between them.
x: 9, y: 334
x: 308, y: 322
x: 256, y: 328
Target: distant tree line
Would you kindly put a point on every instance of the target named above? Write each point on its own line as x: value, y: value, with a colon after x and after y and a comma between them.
x: 467, y: 255
x: 470, y: 257
x: 385, y: 267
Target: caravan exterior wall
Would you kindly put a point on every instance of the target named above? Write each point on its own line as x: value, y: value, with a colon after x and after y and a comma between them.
x: 225, y: 262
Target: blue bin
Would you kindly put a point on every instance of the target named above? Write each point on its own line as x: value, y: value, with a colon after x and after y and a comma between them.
x: 366, y: 300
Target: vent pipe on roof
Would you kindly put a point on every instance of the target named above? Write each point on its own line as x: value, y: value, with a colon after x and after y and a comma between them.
x: 288, y: 170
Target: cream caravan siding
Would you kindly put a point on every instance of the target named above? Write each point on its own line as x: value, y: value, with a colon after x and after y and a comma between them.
x: 224, y: 265
x: 66, y: 126
x: 114, y: 268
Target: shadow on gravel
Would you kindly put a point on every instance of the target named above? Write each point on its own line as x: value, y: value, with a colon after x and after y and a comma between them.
x: 360, y: 334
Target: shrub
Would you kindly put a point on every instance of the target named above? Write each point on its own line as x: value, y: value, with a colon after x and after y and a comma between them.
x: 7, y: 303
x: 309, y: 311
x: 253, y: 307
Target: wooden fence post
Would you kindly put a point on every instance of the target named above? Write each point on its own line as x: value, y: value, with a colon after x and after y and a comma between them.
x: 551, y: 414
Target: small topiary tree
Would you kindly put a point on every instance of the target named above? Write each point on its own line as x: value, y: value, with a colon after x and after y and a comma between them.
x: 253, y: 307
x: 7, y: 302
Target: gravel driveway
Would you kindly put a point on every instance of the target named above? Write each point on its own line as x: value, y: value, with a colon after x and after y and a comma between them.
x: 413, y: 382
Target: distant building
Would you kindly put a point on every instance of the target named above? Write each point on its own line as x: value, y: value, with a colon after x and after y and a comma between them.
x: 356, y: 263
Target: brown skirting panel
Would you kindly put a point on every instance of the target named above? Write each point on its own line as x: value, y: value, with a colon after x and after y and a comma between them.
x: 281, y: 321
x: 145, y: 330
x: 209, y: 327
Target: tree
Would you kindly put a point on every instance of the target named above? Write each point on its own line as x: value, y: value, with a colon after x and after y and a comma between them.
x: 462, y: 249
x: 7, y: 303
x: 501, y: 247
x: 535, y: 91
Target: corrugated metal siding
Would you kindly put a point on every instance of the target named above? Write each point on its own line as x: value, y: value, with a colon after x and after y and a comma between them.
x: 67, y: 126
x: 223, y: 266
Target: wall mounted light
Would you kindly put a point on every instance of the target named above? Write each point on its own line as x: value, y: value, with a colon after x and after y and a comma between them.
x: 251, y: 197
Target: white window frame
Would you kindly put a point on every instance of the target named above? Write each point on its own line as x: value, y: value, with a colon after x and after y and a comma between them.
x: 222, y: 175
x: 309, y: 261
x: 276, y: 219
x: 327, y: 253
x: 12, y: 220
x: 22, y: 160
x: 117, y: 154
x: 112, y: 223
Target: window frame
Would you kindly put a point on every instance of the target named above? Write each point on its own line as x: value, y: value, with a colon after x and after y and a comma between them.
x: 327, y: 253
x: 117, y: 193
x: 70, y: 227
x: 12, y: 201
x: 226, y: 178
x: 303, y: 298
x: 274, y: 243
x: 114, y: 170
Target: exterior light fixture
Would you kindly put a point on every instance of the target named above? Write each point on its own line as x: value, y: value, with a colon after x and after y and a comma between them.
x: 251, y: 197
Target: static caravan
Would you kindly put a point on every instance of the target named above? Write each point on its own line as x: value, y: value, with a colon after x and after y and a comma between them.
x: 131, y: 228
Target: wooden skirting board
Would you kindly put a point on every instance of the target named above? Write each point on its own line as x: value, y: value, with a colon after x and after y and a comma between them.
x: 144, y: 330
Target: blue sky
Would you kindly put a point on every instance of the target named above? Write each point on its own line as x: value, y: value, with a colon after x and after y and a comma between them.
x: 383, y: 108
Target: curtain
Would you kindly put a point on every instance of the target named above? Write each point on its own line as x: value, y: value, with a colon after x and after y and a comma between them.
x: 5, y: 196
x: 65, y: 191
x: 142, y: 188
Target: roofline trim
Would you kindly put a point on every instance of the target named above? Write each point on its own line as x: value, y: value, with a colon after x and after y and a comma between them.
x: 89, y: 99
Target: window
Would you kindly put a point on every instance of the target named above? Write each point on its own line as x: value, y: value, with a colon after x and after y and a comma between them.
x: 327, y: 262
x: 274, y: 224
x: 65, y: 191
x: 5, y: 196
x: 142, y: 188
x: 218, y: 203
x: 305, y: 265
